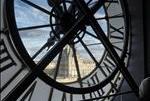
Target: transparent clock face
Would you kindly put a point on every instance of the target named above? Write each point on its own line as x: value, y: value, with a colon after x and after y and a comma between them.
x: 37, y: 28
x: 66, y: 44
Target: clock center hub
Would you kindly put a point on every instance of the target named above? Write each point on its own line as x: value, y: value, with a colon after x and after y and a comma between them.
x: 67, y: 21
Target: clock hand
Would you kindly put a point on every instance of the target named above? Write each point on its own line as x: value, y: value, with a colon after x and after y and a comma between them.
x: 53, y: 2
x: 109, y: 47
x: 50, y: 42
x: 37, y: 71
x: 97, y: 6
x: 57, y: 8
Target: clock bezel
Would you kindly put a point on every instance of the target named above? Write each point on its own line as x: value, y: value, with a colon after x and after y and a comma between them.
x: 27, y: 59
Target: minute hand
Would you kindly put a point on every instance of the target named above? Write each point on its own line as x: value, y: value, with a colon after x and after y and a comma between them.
x: 94, y: 8
x: 98, y: 5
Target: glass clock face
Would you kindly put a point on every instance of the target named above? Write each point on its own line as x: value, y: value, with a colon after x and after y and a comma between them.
x: 76, y: 58
x: 60, y: 40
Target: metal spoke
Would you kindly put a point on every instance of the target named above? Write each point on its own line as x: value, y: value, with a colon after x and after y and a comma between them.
x: 115, y: 29
x: 36, y: 27
x: 110, y: 17
x: 76, y: 62
x: 93, y: 58
x: 77, y: 67
x: 57, y: 65
x: 37, y: 71
x: 55, y: 74
x: 112, y: 1
x: 53, y: 3
x: 108, y: 6
x: 89, y: 2
x: 54, y: 51
x: 71, y: 9
x: 64, y: 5
x: 38, y: 7
x: 91, y: 55
x: 97, y: 6
x: 47, y: 44
x: 93, y: 3
x: 101, y: 43
x: 109, y: 47
x: 90, y: 34
x: 108, y: 96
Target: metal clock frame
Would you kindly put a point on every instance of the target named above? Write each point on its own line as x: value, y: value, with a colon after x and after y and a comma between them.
x: 37, y: 72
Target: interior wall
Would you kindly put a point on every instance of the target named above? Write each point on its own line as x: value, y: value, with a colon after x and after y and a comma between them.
x: 146, y: 27
x: 137, y: 60
x: 137, y: 49
x: 1, y: 15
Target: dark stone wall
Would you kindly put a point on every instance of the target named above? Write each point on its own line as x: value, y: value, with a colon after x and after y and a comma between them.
x: 146, y: 27
x: 137, y: 60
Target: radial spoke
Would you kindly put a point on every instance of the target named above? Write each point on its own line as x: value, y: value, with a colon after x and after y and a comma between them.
x: 90, y: 34
x: 81, y: 5
x: 109, y: 47
x: 97, y: 6
x: 76, y: 62
x: 77, y: 68
x: 71, y: 8
x: 110, y: 17
x: 38, y: 7
x: 53, y: 3
x: 108, y: 6
x: 59, y: 45
x: 57, y: 65
x: 46, y: 45
x: 37, y: 71
x: 89, y: 2
x: 55, y: 74
x: 112, y: 1
x: 64, y: 5
x: 92, y: 44
x: 93, y: 3
x: 33, y: 27
x: 91, y: 55
x: 36, y: 27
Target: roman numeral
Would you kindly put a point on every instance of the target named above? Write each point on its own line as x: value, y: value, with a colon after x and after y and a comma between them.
x: 112, y: 1
x: 109, y: 2
x: 117, y: 37
x: 108, y: 68
x: 109, y: 60
x: 71, y: 97
x: 116, y: 30
x: 118, y: 48
x: 51, y: 94
x: 109, y: 64
x: 29, y: 93
x: 64, y: 98
x: 6, y: 60
x: 95, y: 80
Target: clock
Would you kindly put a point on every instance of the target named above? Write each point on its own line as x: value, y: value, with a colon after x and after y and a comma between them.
x: 68, y: 50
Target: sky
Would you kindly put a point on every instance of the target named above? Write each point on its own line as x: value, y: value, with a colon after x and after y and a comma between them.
x: 34, y: 39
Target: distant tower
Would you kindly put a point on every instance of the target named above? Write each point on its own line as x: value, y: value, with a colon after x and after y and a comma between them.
x: 64, y: 64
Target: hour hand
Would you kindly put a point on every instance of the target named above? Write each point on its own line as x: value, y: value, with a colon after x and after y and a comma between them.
x: 53, y: 2
x: 50, y: 42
